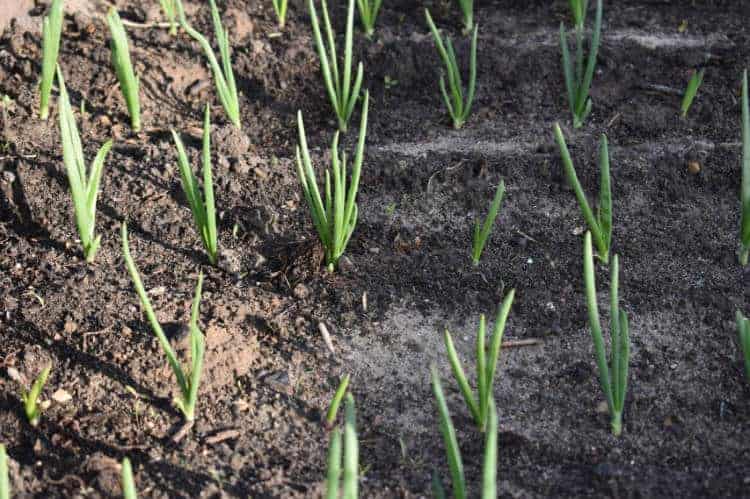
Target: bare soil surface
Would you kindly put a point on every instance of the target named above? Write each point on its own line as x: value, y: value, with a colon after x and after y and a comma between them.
x: 407, y: 274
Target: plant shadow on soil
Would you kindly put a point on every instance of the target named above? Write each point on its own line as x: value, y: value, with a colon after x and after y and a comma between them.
x: 269, y: 375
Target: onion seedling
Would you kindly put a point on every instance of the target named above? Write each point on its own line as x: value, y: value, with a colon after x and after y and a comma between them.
x: 223, y: 75
x: 128, y: 484
x: 4, y: 478
x: 489, y: 468
x: 51, y: 29
x: 124, y: 68
x: 577, y: 79
x: 482, y: 231
x: 348, y: 481
x: 202, y: 205
x: 745, y: 188
x: 696, y: 80
x: 743, y: 328
x: 486, y: 366
x: 368, y: 14
x: 188, y: 382
x: 84, y: 188
x: 613, y: 378
x: 170, y: 10
x: 467, y: 9
x: 342, y: 92
x: 30, y: 399
x: 335, y: 220
x: 458, y: 107
x: 600, y: 224
x: 333, y: 408
x: 280, y: 6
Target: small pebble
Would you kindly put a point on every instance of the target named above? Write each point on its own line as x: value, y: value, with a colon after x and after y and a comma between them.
x: 694, y: 168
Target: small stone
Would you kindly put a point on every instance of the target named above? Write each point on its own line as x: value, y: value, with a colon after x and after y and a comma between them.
x: 280, y: 382
x: 345, y: 265
x: 301, y: 291
x: 694, y: 168
x: 602, y: 407
x: 62, y: 396
x: 14, y: 374
x: 70, y: 326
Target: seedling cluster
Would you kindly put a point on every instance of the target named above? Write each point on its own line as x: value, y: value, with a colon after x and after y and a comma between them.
x: 335, y: 213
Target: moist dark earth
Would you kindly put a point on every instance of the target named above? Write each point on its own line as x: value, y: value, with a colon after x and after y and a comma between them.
x: 407, y: 274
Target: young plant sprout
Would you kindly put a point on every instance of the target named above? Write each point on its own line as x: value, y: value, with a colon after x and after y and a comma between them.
x: 124, y: 68
x: 482, y: 231
x: 600, y: 224
x: 692, y: 88
x: 280, y: 7
x: 84, y: 188
x: 743, y: 328
x: 188, y: 382
x: 350, y: 476
x: 333, y: 409
x: 51, y: 29
x: 168, y: 6
x: 368, y: 14
x: 458, y: 107
x: 202, y: 205
x: 613, y: 378
x: 467, y: 9
x: 128, y: 484
x: 745, y: 189
x: 335, y: 220
x: 223, y: 75
x: 341, y: 91
x: 4, y: 478
x: 455, y: 464
x: 577, y: 78
x: 486, y: 366
x: 30, y: 398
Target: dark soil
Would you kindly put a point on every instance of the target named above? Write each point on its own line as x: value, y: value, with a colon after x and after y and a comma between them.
x: 269, y: 375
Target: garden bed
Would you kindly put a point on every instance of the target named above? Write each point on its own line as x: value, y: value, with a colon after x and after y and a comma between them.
x: 407, y: 275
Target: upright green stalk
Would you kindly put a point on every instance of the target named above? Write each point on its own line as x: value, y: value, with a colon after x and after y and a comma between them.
x: 613, y: 378
x: 600, y: 224
x: 458, y: 107
x: 51, y: 29
x: 128, y: 484
x: 4, y: 478
x: 368, y: 14
x: 696, y: 80
x: 743, y: 329
x: 203, y: 205
x: 280, y: 6
x: 84, y: 188
x: 223, y: 75
x: 455, y: 464
x: 170, y: 10
x: 745, y: 189
x: 341, y: 91
x: 350, y: 475
x: 578, y: 9
x: 31, y: 398
x: 188, y: 382
x: 482, y: 231
x: 336, y: 219
x: 486, y: 366
x: 578, y: 80
x: 124, y: 68
x: 467, y: 9
x: 333, y: 408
